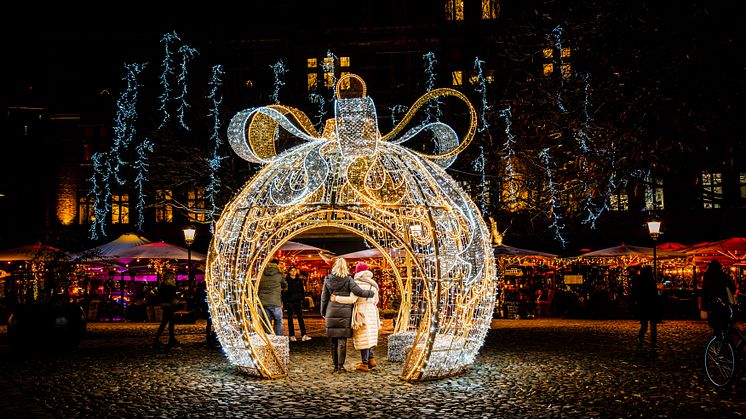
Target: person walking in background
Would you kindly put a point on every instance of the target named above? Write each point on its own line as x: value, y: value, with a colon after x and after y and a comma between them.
x: 337, y: 316
x: 365, y: 335
x: 717, y: 294
x: 293, y: 298
x: 200, y: 294
x: 167, y: 297
x: 644, y: 293
x: 271, y: 286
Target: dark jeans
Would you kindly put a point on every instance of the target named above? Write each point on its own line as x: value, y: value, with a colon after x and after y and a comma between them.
x: 644, y: 329
x: 168, y: 317
x: 339, y: 351
x: 297, y: 308
x: 366, y: 355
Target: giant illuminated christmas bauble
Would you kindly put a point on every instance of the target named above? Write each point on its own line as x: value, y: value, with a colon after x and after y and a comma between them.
x: 353, y: 178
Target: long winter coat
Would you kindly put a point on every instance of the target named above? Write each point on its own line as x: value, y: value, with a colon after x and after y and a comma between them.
x: 644, y: 295
x: 271, y: 285
x: 366, y: 336
x: 338, y: 316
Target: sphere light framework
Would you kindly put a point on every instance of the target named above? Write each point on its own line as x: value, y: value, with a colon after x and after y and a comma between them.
x: 353, y: 178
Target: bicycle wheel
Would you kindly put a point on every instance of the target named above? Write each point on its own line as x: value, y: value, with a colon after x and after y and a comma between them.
x: 720, y: 361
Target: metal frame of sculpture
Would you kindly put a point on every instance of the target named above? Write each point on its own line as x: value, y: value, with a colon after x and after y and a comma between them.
x: 353, y: 178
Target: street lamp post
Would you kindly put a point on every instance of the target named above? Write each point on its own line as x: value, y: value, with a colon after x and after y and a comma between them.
x: 654, y: 228
x: 189, y: 233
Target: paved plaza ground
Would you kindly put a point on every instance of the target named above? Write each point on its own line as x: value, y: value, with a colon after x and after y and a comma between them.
x: 526, y: 368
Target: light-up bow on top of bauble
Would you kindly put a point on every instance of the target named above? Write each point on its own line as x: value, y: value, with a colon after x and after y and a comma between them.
x: 255, y: 133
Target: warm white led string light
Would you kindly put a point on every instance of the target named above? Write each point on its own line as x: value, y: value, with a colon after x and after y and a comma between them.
x: 353, y: 178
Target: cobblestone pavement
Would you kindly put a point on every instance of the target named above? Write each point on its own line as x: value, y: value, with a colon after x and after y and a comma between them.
x: 527, y: 368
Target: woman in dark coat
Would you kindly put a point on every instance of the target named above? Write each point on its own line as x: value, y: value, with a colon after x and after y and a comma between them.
x: 337, y: 316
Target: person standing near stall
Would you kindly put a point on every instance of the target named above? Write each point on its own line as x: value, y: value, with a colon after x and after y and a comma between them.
x: 644, y: 293
x: 271, y: 286
x: 167, y: 297
x: 293, y: 299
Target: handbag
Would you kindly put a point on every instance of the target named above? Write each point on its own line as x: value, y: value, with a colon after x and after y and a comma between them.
x: 729, y: 295
x: 358, y: 318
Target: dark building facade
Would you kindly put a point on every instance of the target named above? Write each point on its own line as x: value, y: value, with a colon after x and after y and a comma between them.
x: 560, y: 72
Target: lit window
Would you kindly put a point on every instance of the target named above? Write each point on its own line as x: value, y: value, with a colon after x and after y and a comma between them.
x: 196, y: 204
x: 454, y: 9
x: 329, y: 80
x: 86, y: 212
x: 313, y: 80
x: 345, y: 83
x: 328, y: 63
x: 311, y: 63
x: 548, y: 52
x: 344, y: 61
x: 565, y: 53
x: 457, y: 78
x: 548, y: 69
x: 566, y: 71
x: 120, y: 209
x: 619, y: 201
x: 742, y: 184
x: 513, y: 196
x: 712, y: 189
x: 654, y: 196
x: 163, y: 207
x: 490, y: 9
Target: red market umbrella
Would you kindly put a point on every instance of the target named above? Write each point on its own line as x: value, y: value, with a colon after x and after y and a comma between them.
x: 672, y: 246
x: 727, y: 251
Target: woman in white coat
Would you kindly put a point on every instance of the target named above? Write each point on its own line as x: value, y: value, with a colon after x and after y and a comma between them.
x: 365, y: 335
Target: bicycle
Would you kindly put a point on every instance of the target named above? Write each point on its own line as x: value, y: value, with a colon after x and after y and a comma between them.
x: 722, y: 352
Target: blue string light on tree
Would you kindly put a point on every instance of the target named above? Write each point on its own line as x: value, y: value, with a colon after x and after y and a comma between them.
x: 125, y: 120
x: 433, y: 110
x: 479, y: 165
x: 508, y: 156
x: 187, y: 55
x: 215, y: 158
x: 482, y: 90
x: 141, y: 166
x: 329, y: 70
x: 108, y: 166
x: 99, y: 195
x: 554, y: 205
x: 556, y: 38
x: 319, y: 100
x: 167, y: 73
x: 279, y: 70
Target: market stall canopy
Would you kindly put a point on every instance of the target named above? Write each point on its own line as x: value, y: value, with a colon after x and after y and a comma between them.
x: 729, y: 250
x: 627, y: 250
x: 159, y: 250
x: 112, y: 249
x: 363, y: 254
x: 291, y: 246
x: 32, y: 252
x: 672, y: 246
x: 503, y: 250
